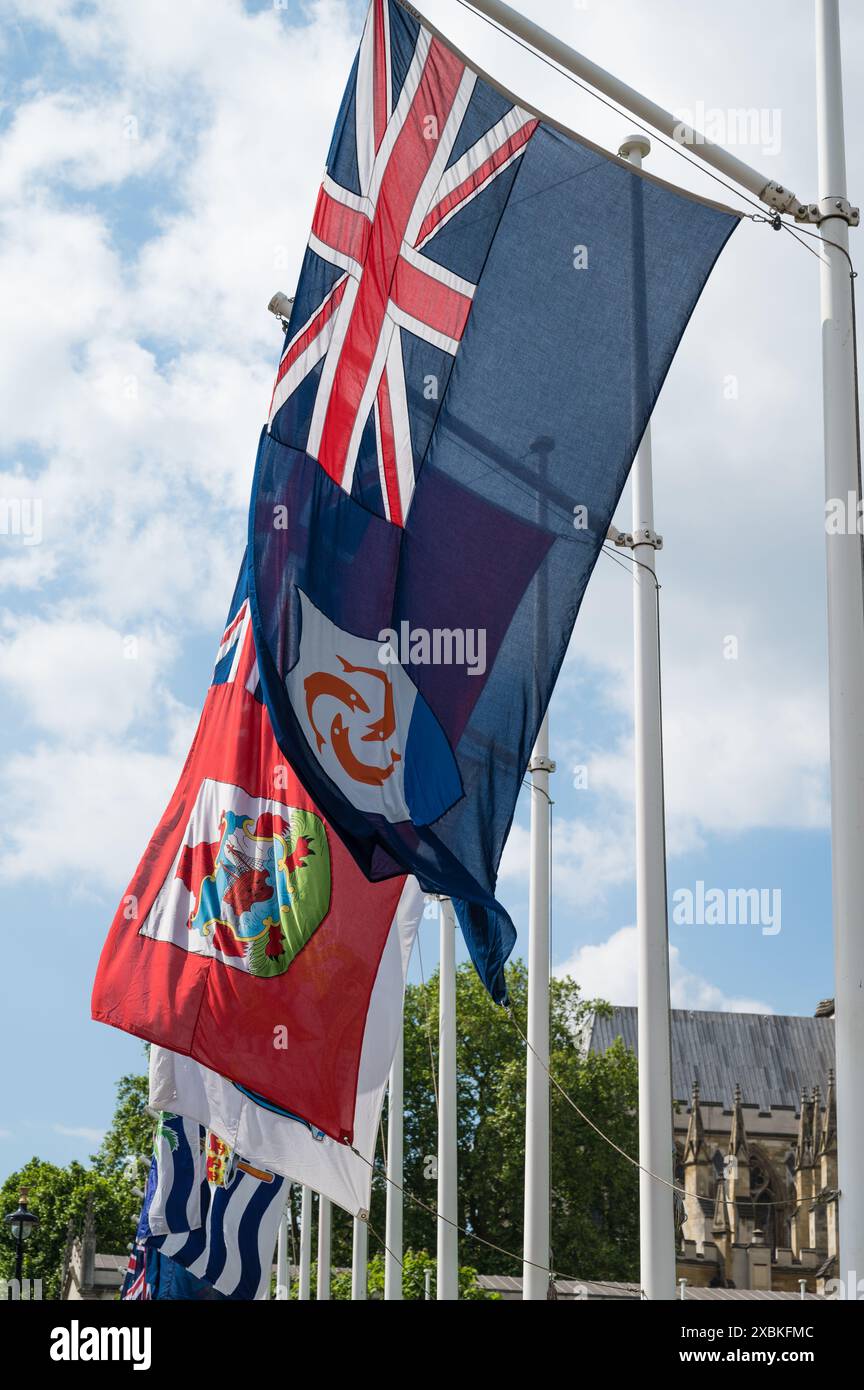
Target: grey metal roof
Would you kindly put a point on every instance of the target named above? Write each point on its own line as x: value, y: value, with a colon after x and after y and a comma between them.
x: 509, y: 1284
x: 601, y: 1288
x: 771, y: 1056
x: 747, y: 1295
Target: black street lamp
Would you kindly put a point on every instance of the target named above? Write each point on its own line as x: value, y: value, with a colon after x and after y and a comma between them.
x: 20, y: 1223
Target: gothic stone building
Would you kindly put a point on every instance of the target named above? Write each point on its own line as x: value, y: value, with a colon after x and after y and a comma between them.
x: 755, y: 1130
x: 85, y: 1275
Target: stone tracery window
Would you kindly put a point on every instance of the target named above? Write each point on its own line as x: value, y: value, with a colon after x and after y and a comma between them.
x: 770, y: 1206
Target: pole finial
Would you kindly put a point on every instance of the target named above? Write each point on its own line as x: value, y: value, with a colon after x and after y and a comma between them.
x: 638, y: 142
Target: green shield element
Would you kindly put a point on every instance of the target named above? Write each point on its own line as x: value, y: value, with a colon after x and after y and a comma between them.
x: 303, y: 892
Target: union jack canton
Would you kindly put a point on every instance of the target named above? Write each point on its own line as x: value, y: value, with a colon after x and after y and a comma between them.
x: 419, y: 170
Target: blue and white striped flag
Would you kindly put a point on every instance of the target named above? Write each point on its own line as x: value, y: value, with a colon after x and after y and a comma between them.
x: 211, y: 1211
x: 178, y: 1175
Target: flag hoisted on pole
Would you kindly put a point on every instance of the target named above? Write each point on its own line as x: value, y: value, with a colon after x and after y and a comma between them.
x: 457, y: 233
x: 265, y: 905
x: 279, y: 1139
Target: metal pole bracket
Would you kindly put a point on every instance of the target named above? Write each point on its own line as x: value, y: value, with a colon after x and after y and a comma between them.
x: 644, y: 536
x: 539, y: 763
x: 829, y: 207
x: 783, y: 199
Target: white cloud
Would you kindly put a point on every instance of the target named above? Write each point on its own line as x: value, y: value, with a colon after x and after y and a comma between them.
x: 165, y: 576
x: 608, y: 971
x: 61, y: 285
x: 250, y: 100
x: 139, y: 380
x: 79, y: 679
x: 588, y: 857
x: 93, y: 1136
x: 85, y: 143
x: 745, y: 741
x: 25, y: 561
x: 97, y: 809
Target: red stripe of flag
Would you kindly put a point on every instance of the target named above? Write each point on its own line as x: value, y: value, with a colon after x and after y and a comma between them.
x: 381, y: 59
x: 434, y: 303
x: 388, y: 450
x: 340, y: 227
x: 235, y: 622
x: 406, y: 169
x: 300, y: 344
x: 476, y: 179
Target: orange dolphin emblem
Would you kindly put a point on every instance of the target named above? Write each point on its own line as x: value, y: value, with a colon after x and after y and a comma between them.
x: 324, y: 683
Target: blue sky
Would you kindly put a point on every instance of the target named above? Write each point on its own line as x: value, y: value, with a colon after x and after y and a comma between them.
x: 158, y: 168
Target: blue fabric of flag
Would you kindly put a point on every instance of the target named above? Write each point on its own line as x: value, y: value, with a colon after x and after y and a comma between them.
x: 169, y: 1282
x: 586, y: 274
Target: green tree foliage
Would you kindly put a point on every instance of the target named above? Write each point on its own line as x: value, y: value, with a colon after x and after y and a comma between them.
x: 129, y: 1141
x: 594, y: 1201
x: 59, y: 1196
x: 594, y: 1191
x: 415, y: 1263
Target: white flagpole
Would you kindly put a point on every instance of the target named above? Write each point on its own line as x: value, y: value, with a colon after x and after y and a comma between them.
x: 325, y: 1224
x: 656, y: 1205
x: 393, y: 1220
x: 535, y: 1280
x: 359, y: 1259
x: 283, y: 1278
x: 845, y: 642
x: 770, y: 192
x: 448, y: 1204
x: 305, y: 1289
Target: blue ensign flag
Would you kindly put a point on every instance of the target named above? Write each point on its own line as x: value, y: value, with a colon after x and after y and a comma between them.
x: 485, y: 315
